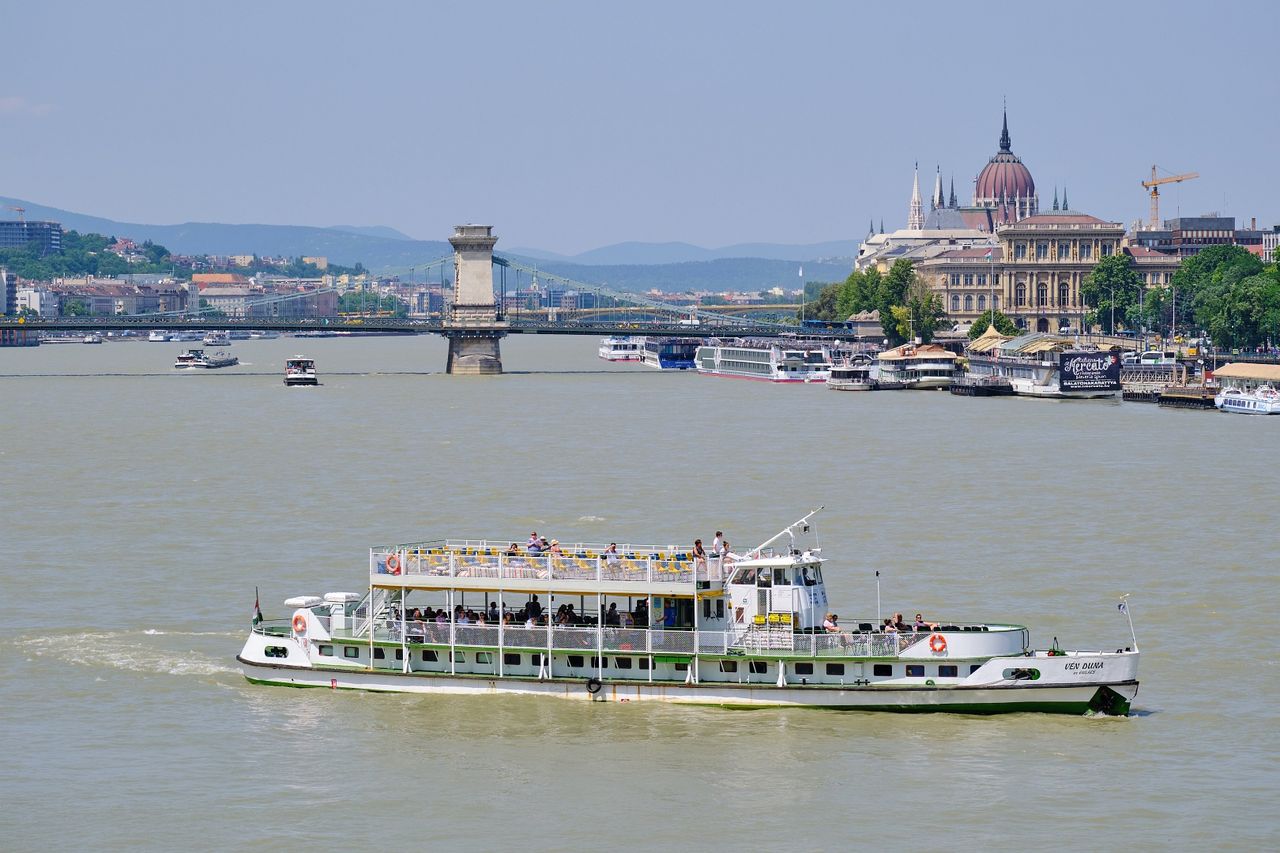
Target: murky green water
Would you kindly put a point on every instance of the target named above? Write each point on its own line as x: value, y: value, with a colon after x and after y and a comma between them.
x: 139, y: 510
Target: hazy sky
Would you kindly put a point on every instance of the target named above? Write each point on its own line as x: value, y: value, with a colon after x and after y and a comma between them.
x: 570, y: 126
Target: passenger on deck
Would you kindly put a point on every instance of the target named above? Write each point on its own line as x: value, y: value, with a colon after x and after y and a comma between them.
x: 642, y: 612
x: 727, y: 556
x: 534, y: 545
x: 717, y: 544
x: 898, y: 623
x: 611, y: 553
x: 531, y: 622
x: 889, y: 627
x: 699, y: 554
x: 514, y: 550
x: 831, y: 624
x: 493, y: 612
x: 464, y: 618
x: 611, y: 616
x: 555, y: 546
x: 534, y: 608
x: 561, y: 618
x: 442, y: 618
x: 921, y: 625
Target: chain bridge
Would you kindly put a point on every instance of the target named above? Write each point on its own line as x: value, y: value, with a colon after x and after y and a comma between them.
x: 474, y: 319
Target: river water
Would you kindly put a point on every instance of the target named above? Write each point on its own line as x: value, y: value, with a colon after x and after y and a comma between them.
x: 140, y: 509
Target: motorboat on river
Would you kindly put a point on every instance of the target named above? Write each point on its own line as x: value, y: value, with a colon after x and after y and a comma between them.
x: 300, y: 371
x: 198, y: 358
x: 852, y: 374
x: 621, y: 349
x: 654, y: 623
x: 1248, y: 389
x: 217, y: 339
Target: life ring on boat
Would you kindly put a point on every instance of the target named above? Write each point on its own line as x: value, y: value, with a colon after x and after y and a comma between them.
x: 593, y: 685
x: 937, y: 644
x: 393, y: 564
x: 299, y: 624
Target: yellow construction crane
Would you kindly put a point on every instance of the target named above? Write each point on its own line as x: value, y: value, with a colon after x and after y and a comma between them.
x: 21, y: 212
x: 1154, y: 186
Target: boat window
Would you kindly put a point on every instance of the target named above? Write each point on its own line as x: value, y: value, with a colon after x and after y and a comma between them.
x: 746, y: 576
x: 326, y: 651
x: 595, y: 662
x: 458, y: 657
x: 622, y: 663
x: 728, y: 666
x: 948, y: 670
x: 682, y: 666
x: 915, y: 670
x: 350, y: 652
x: 804, y: 669
x: 759, y: 667
x: 484, y: 657
x: 430, y: 656
x: 706, y: 608
x: 379, y: 654
x: 575, y: 660
x: 780, y: 577
x: 835, y: 669
x: 1021, y: 674
x: 644, y: 663
x: 535, y: 659
x: 510, y: 659
x: 719, y: 608
x: 882, y: 669
x: 276, y: 652
x: 765, y: 578
x: 974, y: 667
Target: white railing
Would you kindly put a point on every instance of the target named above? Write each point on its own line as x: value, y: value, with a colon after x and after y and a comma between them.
x: 471, y: 563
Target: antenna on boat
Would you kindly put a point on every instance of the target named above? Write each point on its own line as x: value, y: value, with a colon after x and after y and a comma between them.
x: 1124, y: 608
x: 786, y: 531
x: 877, y: 595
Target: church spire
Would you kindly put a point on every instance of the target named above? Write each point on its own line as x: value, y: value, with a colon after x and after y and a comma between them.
x: 1055, y: 198
x: 915, y: 213
x: 1005, y: 144
x: 871, y: 227
x: 939, y: 200
x: 953, y: 202
x: 1064, y: 197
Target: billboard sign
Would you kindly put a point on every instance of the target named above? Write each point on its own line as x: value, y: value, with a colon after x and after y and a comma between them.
x: 1089, y: 371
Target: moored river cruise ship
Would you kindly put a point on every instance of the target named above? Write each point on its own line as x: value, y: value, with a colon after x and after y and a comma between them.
x: 780, y: 360
x: 628, y: 622
x: 1044, y: 365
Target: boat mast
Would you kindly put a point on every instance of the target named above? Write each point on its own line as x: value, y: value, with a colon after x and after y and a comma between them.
x: 786, y: 531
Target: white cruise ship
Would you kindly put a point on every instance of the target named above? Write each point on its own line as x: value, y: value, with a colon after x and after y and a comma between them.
x: 917, y: 366
x: 621, y: 349
x: 768, y: 359
x: 1044, y: 365
x: 629, y: 622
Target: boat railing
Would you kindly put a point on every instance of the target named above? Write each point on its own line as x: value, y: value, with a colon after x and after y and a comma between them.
x: 473, y: 562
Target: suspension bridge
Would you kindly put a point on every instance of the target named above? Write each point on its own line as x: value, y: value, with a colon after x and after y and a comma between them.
x: 475, y: 318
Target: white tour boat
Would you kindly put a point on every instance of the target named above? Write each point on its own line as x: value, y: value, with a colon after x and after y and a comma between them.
x: 158, y: 336
x: 670, y: 353
x: 768, y: 359
x: 217, y: 339
x: 198, y: 358
x: 621, y: 349
x: 300, y: 371
x: 1044, y: 365
x: 917, y: 366
x: 651, y: 623
x: 852, y: 375
x: 1248, y: 389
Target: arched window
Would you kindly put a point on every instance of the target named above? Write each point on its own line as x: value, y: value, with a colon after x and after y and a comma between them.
x: 1064, y: 294
x: 982, y: 302
x: 968, y: 302
x: 1020, y: 295
x: 955, y: 302
x: 1042, y: 295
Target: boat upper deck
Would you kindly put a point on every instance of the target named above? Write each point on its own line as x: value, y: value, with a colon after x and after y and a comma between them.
x: 479, y: 563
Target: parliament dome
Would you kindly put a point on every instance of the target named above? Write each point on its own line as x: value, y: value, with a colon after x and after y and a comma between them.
x: 1005, y: 176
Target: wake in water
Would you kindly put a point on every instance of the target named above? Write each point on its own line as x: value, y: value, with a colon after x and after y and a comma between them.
x: 127, y: 650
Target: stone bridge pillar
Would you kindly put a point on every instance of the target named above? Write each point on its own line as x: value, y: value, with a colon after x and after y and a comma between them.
x: 471, y: 323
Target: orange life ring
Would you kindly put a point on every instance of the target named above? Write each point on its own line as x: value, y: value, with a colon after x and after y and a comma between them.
x: 937, y: 644
x: 299, y: 624
x: 393, y: 564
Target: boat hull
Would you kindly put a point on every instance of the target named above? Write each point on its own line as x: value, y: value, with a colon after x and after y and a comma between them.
x: 1113, y: 698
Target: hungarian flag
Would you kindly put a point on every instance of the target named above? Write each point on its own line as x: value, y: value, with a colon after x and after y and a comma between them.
x: 257, y: 609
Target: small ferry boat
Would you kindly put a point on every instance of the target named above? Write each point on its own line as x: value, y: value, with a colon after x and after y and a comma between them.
x: 852, y: 375
x: 158, y: 336
x: 652, y: 623
x: 620, y: 349
x: 217, y: 339
x: 670, y: 353
x: 917, y: 366
x: 198, y: 358
x: 770, y: 360
x: 62, y: 339
x: 263, y: 334
x: 91, y: 338
x: 1263, y: 400
x: 300, y: 371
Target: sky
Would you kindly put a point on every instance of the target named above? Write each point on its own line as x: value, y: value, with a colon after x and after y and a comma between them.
x: 570, y: 126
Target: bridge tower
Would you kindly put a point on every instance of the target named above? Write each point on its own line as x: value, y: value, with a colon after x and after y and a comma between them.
x: 471, y: 324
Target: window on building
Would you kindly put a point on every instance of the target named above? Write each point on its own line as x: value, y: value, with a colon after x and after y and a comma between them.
x: 982, y: 279
x: 1064, y: 250
x: 1042, y: 251
x: 1086, y: 251
x: 982, y: 302
x: 1020, y: 251
x: 955, y: 279
x: 995, y: 302
x: 1064, y: 294
x: 968, y: 302
x: 1020, y: 295
x: 955, y: 302
x: 1105, y: 250
x: 1042, y: 295
x: 968, y: 280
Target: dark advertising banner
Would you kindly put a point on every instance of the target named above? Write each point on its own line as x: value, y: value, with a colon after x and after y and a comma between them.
x: 1089, y: 371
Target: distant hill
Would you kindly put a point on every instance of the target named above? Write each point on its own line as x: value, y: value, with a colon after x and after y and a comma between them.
x: 674, y: 253
x: 626, y: 266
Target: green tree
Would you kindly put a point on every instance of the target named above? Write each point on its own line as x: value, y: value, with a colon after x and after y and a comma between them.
x: 891, y: 290
x: 1004, y: 325
x: 858, y: 293
x: 823, y: 306
x: 75, y: 308
x: 921, y: 315
x: 1112, y: 284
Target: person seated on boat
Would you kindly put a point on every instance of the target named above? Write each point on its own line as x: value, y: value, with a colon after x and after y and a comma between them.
x: 831, y: 624
x: 921, y: 625
x: 507, y: 619
x: 530, y: 621
x: 534, y: 545
x: 479, y: 618
x: 493, y: 612
x: 898, y: 623
x: 889, y: 627
x: 555, y: 547
x: 514, y: 550
x: 570, y: 617
x: 726, y: 554
x: 699, y: 554
x: 642, y: 612
x: 442, y: 618
x: 464, y: 618
x: 561, y: 618
x: 611, y: 616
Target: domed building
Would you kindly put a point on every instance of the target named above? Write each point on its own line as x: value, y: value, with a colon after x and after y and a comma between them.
x: 1005, y: 184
